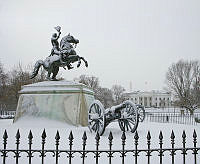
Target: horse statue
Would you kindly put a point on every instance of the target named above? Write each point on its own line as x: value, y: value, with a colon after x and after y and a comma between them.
x: 67, y: 56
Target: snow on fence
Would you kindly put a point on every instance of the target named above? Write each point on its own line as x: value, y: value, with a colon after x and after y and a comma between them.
x: 172, y: 118
x: 7, y: 114
x: 97, y: 153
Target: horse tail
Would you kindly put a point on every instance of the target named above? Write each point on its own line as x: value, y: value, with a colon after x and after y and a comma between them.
x: 36, y: 68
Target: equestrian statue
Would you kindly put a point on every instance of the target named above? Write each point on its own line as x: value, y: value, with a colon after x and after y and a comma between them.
x: 62, y: 55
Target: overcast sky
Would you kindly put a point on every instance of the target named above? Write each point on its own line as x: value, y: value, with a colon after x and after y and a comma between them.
x: 124, y: 41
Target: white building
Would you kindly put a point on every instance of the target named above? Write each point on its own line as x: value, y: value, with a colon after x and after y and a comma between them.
x: 153, y: 98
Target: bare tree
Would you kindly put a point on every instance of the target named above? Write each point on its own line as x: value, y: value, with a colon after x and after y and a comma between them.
x: 118, y: 93
x: 3, y: 86
x: 102, y: 94
x: 90, y: 81
x: 105, y: 96
x: 196, y: 84
x: 17, y: 77
x: 180, y: 79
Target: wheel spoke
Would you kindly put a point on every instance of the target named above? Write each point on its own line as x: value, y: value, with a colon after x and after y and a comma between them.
x: 93, y: 126
x: 95, y: 107
x: 90, y: 121
x: 129, y: 126
x: 133, y: 122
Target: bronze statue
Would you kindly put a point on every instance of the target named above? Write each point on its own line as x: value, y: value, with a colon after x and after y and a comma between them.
x: 60, y: 56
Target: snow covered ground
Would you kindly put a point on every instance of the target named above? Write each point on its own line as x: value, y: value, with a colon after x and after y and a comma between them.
x: 36, y: 125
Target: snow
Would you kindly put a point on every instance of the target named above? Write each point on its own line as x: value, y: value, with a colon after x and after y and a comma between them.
x: 37, y: 125
x: 62, y: 85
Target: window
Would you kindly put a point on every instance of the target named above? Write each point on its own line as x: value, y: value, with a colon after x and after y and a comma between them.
x: 156, y: 98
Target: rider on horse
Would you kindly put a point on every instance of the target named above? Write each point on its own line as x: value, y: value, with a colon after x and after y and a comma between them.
x: 56, y: 49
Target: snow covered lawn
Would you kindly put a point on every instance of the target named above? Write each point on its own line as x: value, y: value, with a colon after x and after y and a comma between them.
x: 37, y: 125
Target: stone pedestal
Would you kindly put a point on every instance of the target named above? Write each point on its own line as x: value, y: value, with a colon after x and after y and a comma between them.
x: 58, y: 100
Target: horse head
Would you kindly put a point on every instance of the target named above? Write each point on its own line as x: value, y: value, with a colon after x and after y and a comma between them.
x: 65, y: 41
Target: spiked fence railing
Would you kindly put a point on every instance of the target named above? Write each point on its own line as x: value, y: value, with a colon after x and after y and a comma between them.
x: 83, y: 154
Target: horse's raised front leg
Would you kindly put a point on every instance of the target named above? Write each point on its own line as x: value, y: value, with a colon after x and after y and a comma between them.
x: 86, y: 63
x: 79, y: 63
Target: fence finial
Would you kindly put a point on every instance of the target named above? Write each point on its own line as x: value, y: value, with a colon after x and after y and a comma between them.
x: 194, y: 134
x: 71, y: 137
x: 18, y: 134
x: 97, y: 136
x: 148, y: 135
x: 5, y: 135
x: 183, y: 135
x: 136, y: 136
x: 30, y: 135
x: 110, y: 137
x: 172, y: 135
x: 123, y: 136
x: 57, y: 137
x: 84, y: 138
x: 160, y: 135
x: 44, y: 134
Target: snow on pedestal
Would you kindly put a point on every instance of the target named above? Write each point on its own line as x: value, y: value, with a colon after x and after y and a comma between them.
x: 65, y: 101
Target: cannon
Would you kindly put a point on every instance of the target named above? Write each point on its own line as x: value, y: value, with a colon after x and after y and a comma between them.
x: 127, y: 114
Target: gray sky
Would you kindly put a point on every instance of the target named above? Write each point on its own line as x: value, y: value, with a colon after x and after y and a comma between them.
x: 123, y: 41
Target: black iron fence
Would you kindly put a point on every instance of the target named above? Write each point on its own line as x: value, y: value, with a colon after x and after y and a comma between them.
x: 97, y: 153
x: 7, y: 114
x: 172, y: 118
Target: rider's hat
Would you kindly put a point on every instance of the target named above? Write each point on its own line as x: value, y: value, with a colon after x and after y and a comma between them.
x: 58, y: 28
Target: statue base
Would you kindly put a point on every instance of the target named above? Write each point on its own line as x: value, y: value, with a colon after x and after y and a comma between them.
x: 65, y: 101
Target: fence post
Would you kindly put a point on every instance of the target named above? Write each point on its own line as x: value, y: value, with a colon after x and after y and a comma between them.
x: 172, y: 143
x: 84, y: 138
x: 161, y: 143
x: 136, y: 137
x: 17, y: 146
x: 30, y: 137
x: 57, y: 138
x: 195, y: 145
x: 110, y: 138
x: 123, y: 146
x: 70, y: 147
x: 43, y: 143
x: 5, y: 137
x: 184, y: 141
x: 97, y: 148
x: 148, y: 144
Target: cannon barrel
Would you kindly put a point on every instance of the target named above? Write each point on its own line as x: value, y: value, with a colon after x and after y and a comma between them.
x: 115, y: 109
x: 119, y: 107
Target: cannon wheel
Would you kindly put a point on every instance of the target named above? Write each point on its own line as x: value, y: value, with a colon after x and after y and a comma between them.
x: 96, y: 117
x: 129, y: 117
x: 141, y: 113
